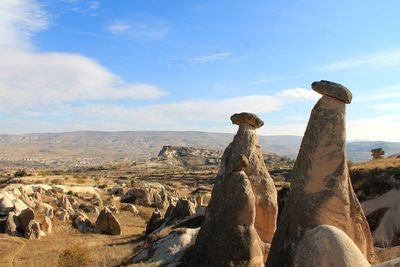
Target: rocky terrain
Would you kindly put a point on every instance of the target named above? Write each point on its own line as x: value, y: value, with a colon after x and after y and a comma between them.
x: 98, y: 148
x: 197, y: 206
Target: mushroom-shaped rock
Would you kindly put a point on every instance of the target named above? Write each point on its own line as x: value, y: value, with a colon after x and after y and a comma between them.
x: 240, y: 219
x: 326, y: 245
x: 321, y: 191
x: 332, y: 89
x: 247, y: 118
x: 107, y: 223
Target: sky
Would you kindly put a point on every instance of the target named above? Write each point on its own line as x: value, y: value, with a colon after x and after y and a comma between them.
x: 118, y: 65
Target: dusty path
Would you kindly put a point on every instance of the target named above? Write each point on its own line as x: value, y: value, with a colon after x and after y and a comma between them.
x: 10, y: 248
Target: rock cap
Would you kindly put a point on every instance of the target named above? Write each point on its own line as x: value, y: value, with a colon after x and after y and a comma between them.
x: 248, y: 118
x: 332, y: 89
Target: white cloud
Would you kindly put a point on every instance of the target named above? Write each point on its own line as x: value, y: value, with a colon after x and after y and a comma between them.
x: 19, y: 20
x: 210, y: 58
x: 86, y: 7
x: 384, y: 58
x: 299, y: 93
x: 147, y: 28
x: 179, y: 113
x: 32, y: 79
x: 385, y: 127
x: 118, y: 27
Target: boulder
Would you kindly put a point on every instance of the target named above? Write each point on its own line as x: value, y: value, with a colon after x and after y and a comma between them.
x: 184, y: 208
x: 24, y: 219
x: 82, y: 222
x: 65, y: 203
x: 131, y: 208
x: 46, y: 226
x: 156, y: 220
x: 63, y: 215
x: 12, y: 224
x: 243, y: 207
x: 19, y: 205
x: 383, y: 215
x: 107, y: 223
x: 169, y: 250
x: 6, y: 204
x: 28, y: 201
x: 334, y: 90
x: 33, y: 230
x: 321, y: 191
x: 326, y: 245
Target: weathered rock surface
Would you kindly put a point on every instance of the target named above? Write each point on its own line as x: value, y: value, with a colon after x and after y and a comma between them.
x: 82, y: 222
x: 326, y: 245
x: 130, y: 207
x: 12, y: 224
x: 24, y: 219
x: 383, y: 215
x: 33, y: 230
x: 377, y: 153
x: 46, y: 226
x: 168, y: 251
x: 243, y: 207
x: 146, y: 194
x: 183, y: 208
x: 321, y: 190
x: 156, y: 220
x: 107, y: 223
x: 334, y: 90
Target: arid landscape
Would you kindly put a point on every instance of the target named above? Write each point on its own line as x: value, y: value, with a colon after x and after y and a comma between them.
x: 206, y: 133
x: 148, y: 212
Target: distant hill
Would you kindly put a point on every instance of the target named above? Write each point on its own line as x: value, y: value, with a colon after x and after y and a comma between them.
x: 139, y: 145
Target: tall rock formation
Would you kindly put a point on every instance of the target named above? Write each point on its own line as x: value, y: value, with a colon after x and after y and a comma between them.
x: 240, y: 220
x: 321, y: 190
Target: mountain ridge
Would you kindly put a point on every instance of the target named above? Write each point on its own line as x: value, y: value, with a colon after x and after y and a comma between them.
x: 140, y: 145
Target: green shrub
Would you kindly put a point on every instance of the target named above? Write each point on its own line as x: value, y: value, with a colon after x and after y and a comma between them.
x: 20, y: 173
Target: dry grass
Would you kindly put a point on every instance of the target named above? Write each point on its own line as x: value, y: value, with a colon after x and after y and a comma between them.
x: 76, y: 255
x: 377, y: 164
x: 104, y: 250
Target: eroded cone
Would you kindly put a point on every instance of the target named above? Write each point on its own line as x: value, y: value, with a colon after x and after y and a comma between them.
x: 240, y: 220
x: 321, y: 190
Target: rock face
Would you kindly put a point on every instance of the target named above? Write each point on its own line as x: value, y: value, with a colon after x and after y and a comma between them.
x: 12, y: 224
x: 183, y: 208
x: 106, y: 223
x: 46, y: 225
x: 377, y: 153
x: 321, y: 190
x: 383, y: 215
x: 156, y: 220
x: 243, y: 207
x: 24, y: 219
x: 326, y: 245
x: 82, y: 222
x: 33, y: 230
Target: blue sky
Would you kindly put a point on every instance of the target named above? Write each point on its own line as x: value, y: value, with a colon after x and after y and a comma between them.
x: 72, y: 65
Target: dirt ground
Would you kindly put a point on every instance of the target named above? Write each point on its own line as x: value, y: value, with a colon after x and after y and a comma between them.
x: 105, y: 250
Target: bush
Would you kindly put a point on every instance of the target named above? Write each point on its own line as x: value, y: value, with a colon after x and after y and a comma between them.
x: 20, y: 173
x: 81, y: 180
x: 74, y: 256
x: 43, y: 173
x: 57, y: 181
